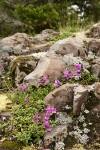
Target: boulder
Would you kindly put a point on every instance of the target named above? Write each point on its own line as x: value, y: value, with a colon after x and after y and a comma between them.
x: 80, y: 98
x: 53, y: 66
x: 60, y: 97
x: 21, y: 66
x: 93, y: 45
x: 23, y: 44
x: 58, y: 133
x: 96, y: 70
x: 94, y: 115
x: 97, y: 90
x: 46, y: 35
x: 94, y: 31
x: 69, y: 46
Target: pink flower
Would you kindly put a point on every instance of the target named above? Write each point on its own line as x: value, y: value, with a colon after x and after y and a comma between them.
x: 23, y: 87
x: 67, y: 74
x: 47, y: 116
x: 44, y: 80
x: 36, y: 118
x: 78, y: 67
x: 27, y: 100
x: 51, y: 109
x: 47, y: 125
x: 57, y: 83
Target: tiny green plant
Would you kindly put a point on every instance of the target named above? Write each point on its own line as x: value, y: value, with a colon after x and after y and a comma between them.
x: 28, y: 101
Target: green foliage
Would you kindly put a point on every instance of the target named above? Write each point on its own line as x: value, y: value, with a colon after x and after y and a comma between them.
x: 6, y: 82
x: 87, y: 78
x: 24, y: 129
x: 39, y: 18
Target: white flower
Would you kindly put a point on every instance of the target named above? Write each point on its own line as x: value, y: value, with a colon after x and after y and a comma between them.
x: 84, y: 139
x: 59, y: 146
x: 86, y: 111
x: 86, y: 130
x: 84, y: 124
x: 67, y: 107
x: 90, y: 123
x: 81, y: 118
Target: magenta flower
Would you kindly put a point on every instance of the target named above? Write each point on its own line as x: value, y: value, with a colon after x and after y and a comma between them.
x: 78, y: 67
x: 57, y: 83
x: 10, y: 128
x: 47, y: 125
x: 36, y: 118
x: 22, y: 87
x: 44, y: 80
x: 67, y: 74
x: 51, y: 109
x: 47, y: 116
x: 27, y: 100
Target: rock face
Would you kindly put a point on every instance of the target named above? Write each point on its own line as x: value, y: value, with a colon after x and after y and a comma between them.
x: 23, y: 44
x: 94, y: 46
x: 61, y: 97
x: 69, y: 46
x: 57, y: 134
x: 80, y: 98
x: 94, y: 31
x: 53, y: 66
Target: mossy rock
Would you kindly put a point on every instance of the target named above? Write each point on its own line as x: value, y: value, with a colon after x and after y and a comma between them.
x: 10, y: 145
x: 22, y: 62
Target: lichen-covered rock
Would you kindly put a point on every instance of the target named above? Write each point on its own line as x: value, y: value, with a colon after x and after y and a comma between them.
x: 53, y: 66
x: 80, y: 98
x: 69, y: 46
x: 23, y: 44
x: 93, y: 45
x: 96, y: 70
x: 94, y: 31
x: 58, y: 133
x: 60, y: 97
x: 97, y: 90
x: 46, y: 35
x: 94, y: 115
x: 70, y: 60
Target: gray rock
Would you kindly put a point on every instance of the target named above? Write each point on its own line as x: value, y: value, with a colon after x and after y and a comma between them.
x: 60, y: 97
x: 69, y: 46
x: 93, y: 45
x: 94, y: 31
x: 58, y: 133
x: 80, y: 98
x: 53, y: 66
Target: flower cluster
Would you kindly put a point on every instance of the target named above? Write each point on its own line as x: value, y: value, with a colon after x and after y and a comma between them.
x: 81, y: 134
x: 69, y: 74
x: 22, y: 87
x: 49, y: 111
x: 44, y: 80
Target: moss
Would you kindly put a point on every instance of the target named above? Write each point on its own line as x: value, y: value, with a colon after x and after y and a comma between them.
x: 10, y: 145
